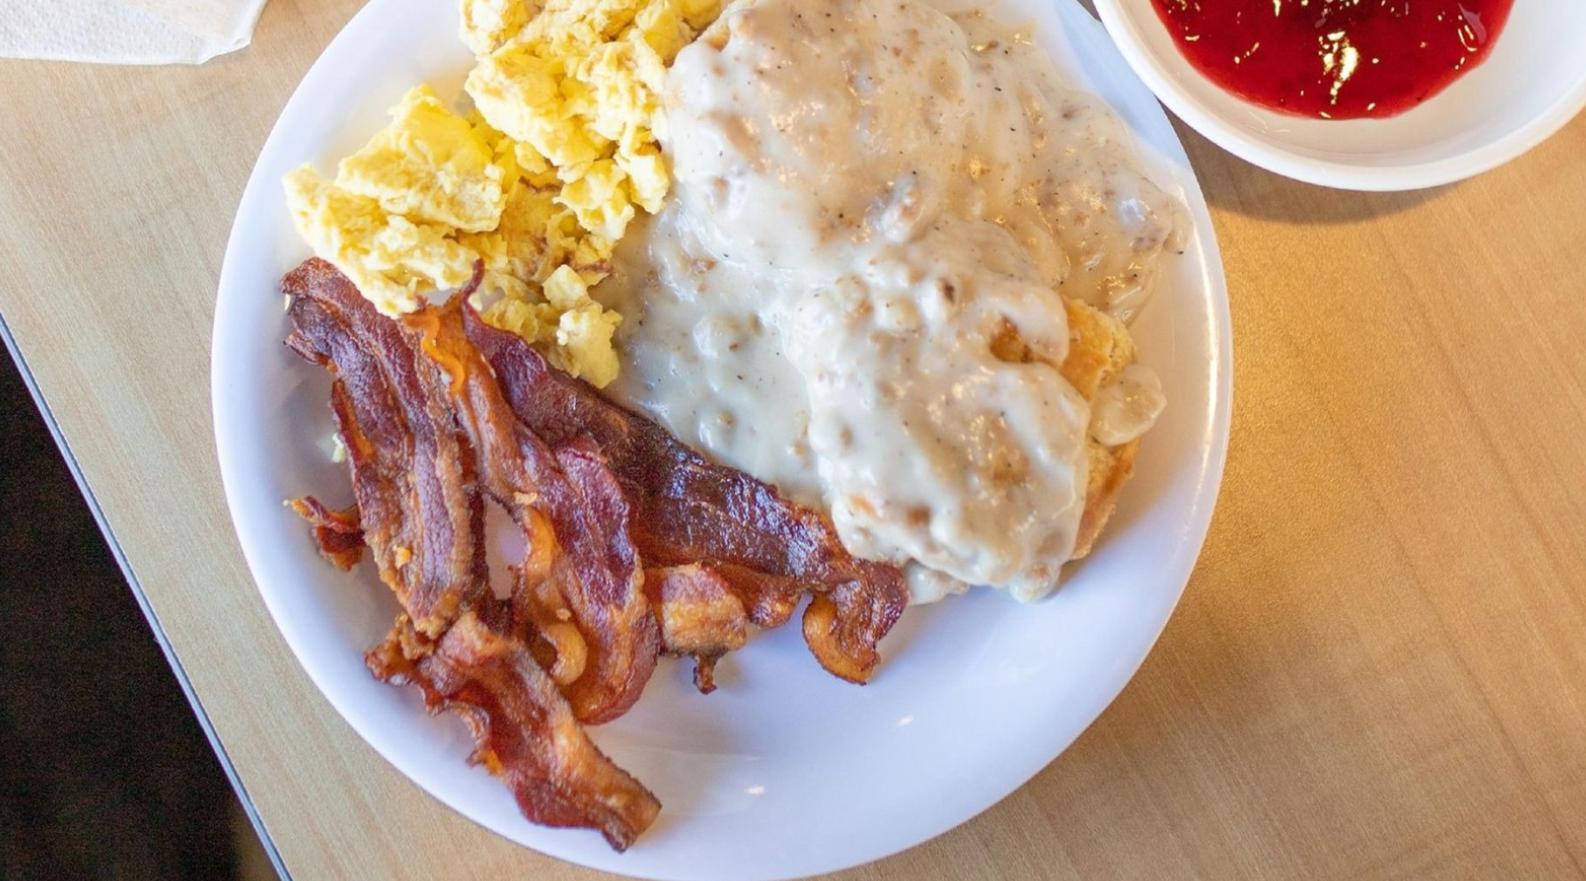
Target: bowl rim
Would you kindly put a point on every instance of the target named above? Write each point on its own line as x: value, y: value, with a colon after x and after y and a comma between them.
x: 1323, y: 172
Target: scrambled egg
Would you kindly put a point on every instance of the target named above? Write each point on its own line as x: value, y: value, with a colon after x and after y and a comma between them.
x: 489, y: 23
x: 389, y: 219
x: 579, y: 89
x: 429, y: 165
x: 579, y: 327
x: 537, y: 184
x: 391, y: 259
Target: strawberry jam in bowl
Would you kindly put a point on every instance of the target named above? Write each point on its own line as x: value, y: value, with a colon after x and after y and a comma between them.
x: 1334, y: 59
x: 1362, y: 94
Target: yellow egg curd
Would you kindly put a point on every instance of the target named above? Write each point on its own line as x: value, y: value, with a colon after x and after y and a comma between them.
x: 538, y: 183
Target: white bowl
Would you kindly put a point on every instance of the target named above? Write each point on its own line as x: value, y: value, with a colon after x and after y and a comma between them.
x: 1532, y: 82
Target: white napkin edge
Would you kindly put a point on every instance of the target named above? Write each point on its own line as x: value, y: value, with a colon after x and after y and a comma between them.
x: 68, y: 33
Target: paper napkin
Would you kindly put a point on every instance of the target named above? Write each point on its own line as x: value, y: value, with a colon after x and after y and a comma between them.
x: 126, y: 31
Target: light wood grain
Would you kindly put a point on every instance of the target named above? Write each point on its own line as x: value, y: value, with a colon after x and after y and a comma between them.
x: 1378, y: 670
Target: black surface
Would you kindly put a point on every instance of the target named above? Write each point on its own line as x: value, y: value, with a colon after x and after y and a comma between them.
x: 104, y: 772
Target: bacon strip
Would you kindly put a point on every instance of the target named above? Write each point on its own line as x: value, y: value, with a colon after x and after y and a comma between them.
x: 516, y: 715
x: 412, y: 471
x: 429, y: 440
x: 688, y: 510
x: 701, y: 616
x: 593, y: 570
x: 441, y: 414
x: 436, y: 373
x: 337, y: 533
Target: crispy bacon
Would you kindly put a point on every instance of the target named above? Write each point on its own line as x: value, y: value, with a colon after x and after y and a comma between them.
x: 412, y: 471
x: 689, y: 510
x: 592, y: 570
x: 525, y: 731
x: 700, y: 616
x: 429, y: 440
x: 566, y: 498
x: 336, y: 533
x: 440, y: 415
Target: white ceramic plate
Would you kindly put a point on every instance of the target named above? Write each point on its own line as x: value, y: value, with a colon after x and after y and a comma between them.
x: 1531, y: 84
x: 784, y: 771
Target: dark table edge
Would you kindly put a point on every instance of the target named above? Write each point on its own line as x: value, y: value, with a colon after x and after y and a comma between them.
x: 143, y: 602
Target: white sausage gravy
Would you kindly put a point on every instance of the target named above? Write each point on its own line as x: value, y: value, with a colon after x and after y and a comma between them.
x: 866, y: 194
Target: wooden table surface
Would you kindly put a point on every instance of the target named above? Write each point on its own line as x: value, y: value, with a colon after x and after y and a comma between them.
x: 1378, y: 668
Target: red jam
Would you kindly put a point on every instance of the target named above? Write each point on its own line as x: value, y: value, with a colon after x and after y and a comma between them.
x: 1334, y: 59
